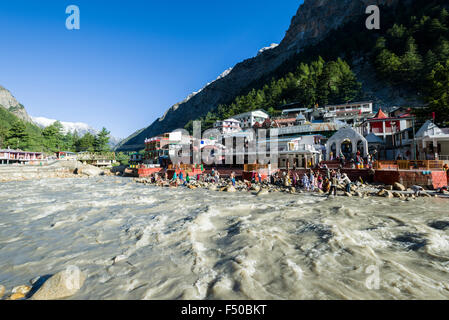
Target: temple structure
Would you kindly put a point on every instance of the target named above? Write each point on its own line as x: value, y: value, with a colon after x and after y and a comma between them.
x: 346, y: 141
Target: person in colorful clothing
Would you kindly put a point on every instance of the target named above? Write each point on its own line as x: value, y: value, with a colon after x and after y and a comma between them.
x: 320, y: 181
x: 334, y: 184
x: 305, y: 182
x: 311, y: 180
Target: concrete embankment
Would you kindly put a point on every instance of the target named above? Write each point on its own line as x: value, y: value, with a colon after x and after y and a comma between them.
x: 59, y: 169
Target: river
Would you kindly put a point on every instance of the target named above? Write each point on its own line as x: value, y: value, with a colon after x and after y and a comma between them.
x: 197, y: 244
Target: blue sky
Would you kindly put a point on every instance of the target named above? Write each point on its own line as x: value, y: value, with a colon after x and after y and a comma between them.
x: 131, y: 60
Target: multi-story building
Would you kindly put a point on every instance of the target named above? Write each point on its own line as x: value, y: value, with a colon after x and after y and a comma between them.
x: 432, y: 142
x: 9, y: 156
x: 350, y: 113
x: 228, y: 126
x: 396, y: 133
x: 155, y: 151
x: 249, y: 119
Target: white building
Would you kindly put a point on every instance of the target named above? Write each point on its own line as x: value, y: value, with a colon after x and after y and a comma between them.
x: 228, y: 126
x: 346, y: 141
x: 349, y: 112
x: 249, y: 119
x: 433, y: 142
x: 298, y: 152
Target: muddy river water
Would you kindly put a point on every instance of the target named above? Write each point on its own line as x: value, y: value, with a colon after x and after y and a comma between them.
x: 139, y: 242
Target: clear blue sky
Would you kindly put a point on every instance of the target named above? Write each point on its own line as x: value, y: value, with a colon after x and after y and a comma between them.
x: 131, y: 60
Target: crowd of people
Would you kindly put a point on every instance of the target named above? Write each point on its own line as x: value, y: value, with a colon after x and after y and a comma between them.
x: 358, y: 161
x: 312, y: 181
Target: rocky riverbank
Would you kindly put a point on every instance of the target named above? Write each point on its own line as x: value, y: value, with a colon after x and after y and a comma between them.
x: 60, y: 169
x: 358, y: 189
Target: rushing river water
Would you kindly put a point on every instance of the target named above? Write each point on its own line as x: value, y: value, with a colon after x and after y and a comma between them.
x: 196, y: 244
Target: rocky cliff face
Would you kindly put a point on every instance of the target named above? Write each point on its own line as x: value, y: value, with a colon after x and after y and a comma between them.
x: 10, y: 103
x: 313, y: 21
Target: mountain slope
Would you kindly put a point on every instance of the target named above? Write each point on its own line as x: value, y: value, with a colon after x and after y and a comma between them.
x: 10, y: 103
x: 312, y: 23
x: 12, y: 111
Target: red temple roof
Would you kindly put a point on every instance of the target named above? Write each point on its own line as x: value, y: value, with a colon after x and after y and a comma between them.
x: 380, y: 115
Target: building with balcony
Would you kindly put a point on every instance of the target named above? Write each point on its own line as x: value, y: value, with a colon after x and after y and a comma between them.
x: 155, y: 150
x: 396, y: 133
x: 249, y: 119
x: 300, y: 152
x: 432, y: 142
x: 10, y: 156
x: 228, y: 126
x: 350, y: 113
x: 135, y: 158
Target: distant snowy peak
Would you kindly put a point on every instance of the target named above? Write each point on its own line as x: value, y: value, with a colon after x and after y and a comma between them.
x: 80, y: 127
x: 272, y: 46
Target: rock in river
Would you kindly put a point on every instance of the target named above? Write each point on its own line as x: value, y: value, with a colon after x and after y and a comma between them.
x: 90, y: 171
x: 24, y: 289
x: 17, y: 296
x: 399, y: 187
x: 2, y: 291
x: 61, y: 285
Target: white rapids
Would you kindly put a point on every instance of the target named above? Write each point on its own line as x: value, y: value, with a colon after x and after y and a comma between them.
x: 140, y: 242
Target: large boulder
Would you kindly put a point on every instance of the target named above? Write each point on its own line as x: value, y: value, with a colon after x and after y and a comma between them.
x: 61, y: 285
x: 17, y: 296
x: 262, y: 192
x: 399, y: 187
x: 118, y: 169
x: 90, y: 171
x: 398, y: 195
x: 24, y: 289
x: 385, y: 193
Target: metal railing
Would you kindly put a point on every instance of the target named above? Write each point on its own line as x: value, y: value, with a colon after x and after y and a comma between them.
x: 409, y: 165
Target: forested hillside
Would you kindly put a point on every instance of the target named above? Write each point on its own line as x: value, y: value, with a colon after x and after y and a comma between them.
x: 410, y: 51
x: 18, y: 134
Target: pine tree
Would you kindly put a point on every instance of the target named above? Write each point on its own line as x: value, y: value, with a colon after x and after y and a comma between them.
x: 444, y: 17
x: 18, y: 137
x: 397, y: 37
x: 443, y: 50
x: 4, y: 133
x: 53, y: 137
x: 439, y: 93
x: 430, y: 61
x: 388, y: 65
x: 101, y: 141
x: 86, y: 143
x: 411, y: 62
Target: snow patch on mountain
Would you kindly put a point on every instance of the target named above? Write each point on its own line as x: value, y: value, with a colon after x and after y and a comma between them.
x: 221, y: 76
x: 272, y: 46
x: 80, y: 127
